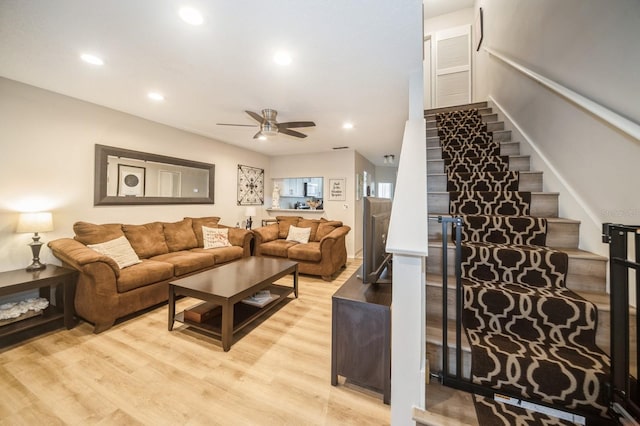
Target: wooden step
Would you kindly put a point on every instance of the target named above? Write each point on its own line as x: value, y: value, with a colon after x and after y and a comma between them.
x: 434, y: 347
x: 543, y: 204
x: 529, y: 181
x: 561, y: 232
x: 516, y: 163
x: 587, y: 271
x: 506, y: 148
x: 433, y: 111
x: 492, y: 126
x: 600, y: 300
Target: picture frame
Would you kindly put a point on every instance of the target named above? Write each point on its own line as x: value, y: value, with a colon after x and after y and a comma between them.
x: 337, y: 189
x: 478, y: 29
x: 359, y: 185
x: 250, y: 186
x: 131, y: 181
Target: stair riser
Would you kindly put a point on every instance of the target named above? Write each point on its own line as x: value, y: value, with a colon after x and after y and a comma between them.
x: 498, y: 136
x: 542, y: 204
x: 486, y: 117
x: 578, y: 276
x: 528, y: 182
x: 434, y: 355
x: 516, y: 164
x: 559, y: 234
x: 506, y: 148
x: 431, y: 116
x: 493, y: 126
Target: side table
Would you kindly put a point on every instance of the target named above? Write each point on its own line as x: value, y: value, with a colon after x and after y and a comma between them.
x: 63, y: 279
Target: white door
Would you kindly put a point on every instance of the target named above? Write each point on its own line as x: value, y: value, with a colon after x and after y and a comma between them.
x: 453, y: 66
x: 169, y: 183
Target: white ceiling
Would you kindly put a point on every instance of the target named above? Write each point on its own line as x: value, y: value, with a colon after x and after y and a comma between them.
x: 351, y: 62
x: 433, y: 8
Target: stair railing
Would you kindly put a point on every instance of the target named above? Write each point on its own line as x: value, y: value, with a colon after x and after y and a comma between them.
x: 624, y: 389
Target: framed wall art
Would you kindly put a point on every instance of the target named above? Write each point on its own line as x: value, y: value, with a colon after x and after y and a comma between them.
x: 337, y: 189
x: 250, y: 185
x: 131, y: 181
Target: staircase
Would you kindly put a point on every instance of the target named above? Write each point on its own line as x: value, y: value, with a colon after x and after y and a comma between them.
x: 483, y: 164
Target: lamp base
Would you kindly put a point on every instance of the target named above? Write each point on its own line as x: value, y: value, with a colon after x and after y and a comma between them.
x: 36, y: 266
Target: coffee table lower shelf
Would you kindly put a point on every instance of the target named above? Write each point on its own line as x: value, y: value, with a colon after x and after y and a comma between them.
x: 243, y: 314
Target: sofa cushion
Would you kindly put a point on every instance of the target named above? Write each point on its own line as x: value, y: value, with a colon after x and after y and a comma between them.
x: 180, y: 235
x: 283, y: 224
x: 310, y: 223
x: 309, y: 252
x: 147, y: 240
x: 222, y: 254
x: 144, y: 273
x: 276, y: 248
x: 185, y: 262
x: 299, y: 235
x: 199, y: 222
x: 215, y: 237
x: 89, y: 233
x: 325, y: 228
x: 119, y: 250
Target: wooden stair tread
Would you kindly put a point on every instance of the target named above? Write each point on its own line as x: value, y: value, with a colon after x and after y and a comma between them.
x: 575, y: 253
x: 549, y: 219
x: 434, y: 334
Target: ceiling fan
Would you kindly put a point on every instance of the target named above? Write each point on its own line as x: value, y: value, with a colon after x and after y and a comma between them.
x: 270, y: 127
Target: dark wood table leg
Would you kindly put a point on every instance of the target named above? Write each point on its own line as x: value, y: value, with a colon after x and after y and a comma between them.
x: 68, y: 293
x: 334, y: 349
x: 172, y: 306
x: 227, y: 325
x: 295, y: 282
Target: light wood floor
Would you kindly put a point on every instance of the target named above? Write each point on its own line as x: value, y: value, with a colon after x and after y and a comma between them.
x: 277, y: 372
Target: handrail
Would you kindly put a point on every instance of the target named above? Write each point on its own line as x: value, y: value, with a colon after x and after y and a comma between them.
x: 613, y: 118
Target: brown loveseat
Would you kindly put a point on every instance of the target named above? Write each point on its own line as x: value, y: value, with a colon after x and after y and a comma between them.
x: 323, y: 255
x: 105, y: 292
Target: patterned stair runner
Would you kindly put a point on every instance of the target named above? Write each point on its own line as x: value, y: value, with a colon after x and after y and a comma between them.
x: 529, y: 335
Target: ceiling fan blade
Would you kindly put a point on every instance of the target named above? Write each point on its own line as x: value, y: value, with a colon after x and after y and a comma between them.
x: 257, y: 135
x: 255, y: 116
x: 292, y: 133
x: 294, y: 124
x: 240, y: 125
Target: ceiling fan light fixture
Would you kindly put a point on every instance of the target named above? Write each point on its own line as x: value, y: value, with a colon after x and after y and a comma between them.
x: 262, y: 137
x: 269, y: 129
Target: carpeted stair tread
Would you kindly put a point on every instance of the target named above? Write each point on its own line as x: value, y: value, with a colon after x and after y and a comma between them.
x: 483, y: 181
x: 520, y: 230
x: 497, y: 163
x: 490, y: 203
x: 488, y: 410
x: 451, y: 154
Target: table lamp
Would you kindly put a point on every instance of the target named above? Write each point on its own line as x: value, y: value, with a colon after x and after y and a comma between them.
x: 35, y: 222
x: 250, y: 211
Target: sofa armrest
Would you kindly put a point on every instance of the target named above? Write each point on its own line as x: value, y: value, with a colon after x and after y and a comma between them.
x: 335, y: 235
x: 241, y: 238
x: 77, y: 255
x: 267, y: 233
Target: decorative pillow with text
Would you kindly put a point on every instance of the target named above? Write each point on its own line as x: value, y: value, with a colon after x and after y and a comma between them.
x: 215, y: 237
x: 119, y: 250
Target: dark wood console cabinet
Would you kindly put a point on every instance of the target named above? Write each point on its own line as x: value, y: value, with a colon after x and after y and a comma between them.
x: 361, y: 335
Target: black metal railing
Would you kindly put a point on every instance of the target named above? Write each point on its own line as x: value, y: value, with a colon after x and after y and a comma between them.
x: 624, y: 389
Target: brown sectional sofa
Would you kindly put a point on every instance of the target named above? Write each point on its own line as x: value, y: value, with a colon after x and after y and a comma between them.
x: 105, y: 292
x: 323, y: 255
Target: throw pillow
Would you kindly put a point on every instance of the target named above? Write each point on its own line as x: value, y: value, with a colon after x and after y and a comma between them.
x: 89, y: 233
x: 215, y: 237
x: 119, y: 250
x: 299, y: 235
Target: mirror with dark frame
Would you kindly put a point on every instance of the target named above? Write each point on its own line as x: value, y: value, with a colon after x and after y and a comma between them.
x: 123, y: 176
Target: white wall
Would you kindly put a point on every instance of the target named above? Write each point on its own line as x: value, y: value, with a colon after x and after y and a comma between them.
x: 338, y: 164
x: 589, y: 46
x: 47, y: 163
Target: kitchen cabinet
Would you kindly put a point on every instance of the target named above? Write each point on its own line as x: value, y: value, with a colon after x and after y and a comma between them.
x: 295, y: 187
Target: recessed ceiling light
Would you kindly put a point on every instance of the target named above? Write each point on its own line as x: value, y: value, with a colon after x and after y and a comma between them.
x: 347, y: 125
x: 155, y: 96
x: 191, y: 16
x: 91, y: 59
x: 282, y: 58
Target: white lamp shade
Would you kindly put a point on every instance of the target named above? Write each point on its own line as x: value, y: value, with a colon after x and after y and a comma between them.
x: 250, y: 211
x: 35, y: 222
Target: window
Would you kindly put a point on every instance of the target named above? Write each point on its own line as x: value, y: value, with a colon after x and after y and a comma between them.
x: 385, y: 190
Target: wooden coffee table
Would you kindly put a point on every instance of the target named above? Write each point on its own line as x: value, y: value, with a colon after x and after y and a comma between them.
x: 227, y: 286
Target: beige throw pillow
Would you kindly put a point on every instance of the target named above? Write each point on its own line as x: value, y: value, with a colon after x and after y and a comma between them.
x: 299, y: 235
x: 119, y: 250
x: 215, y: 237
